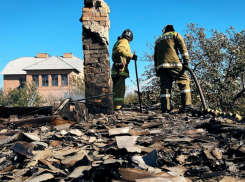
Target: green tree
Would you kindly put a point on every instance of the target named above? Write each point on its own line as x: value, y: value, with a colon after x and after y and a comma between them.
x: 4, y: 100
x: 22, y: 95
x: 217, y: 59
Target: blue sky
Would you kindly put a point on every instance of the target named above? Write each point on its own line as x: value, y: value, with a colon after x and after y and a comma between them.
x: 29, y: 27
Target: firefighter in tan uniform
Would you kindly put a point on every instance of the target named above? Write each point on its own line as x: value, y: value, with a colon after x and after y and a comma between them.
x: 169, y: 67
x: 121, y: 56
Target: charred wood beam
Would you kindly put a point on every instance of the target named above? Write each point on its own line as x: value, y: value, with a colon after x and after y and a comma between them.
x: 34, y: 122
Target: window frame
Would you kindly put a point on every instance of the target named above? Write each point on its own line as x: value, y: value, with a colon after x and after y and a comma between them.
x: 35, y: 79
x: 22, y: 82
x: 55, y: 81
x: 64, y: 80
x: 45, y: 81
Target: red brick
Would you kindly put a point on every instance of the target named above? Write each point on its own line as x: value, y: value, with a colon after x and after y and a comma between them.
x: 103, y: 51
x: 87, y: 14
x: 85, y: 47
x: 103, y: 14
x: 104, y: 9
x: 103, y: 23
x: 87, y: 56
x: 105, y: 90
x: 42, y: 55
x: 87, y: 9
x: 97, y: 14
x: 99, y: 18
x: 85, y: 18
x: 90, y: 52
x: 101, y: 55
x: 97, y: 46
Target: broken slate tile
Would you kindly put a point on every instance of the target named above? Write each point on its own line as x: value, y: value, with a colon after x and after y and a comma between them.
x: 133, y: 174
x: 139, y: 161
x: 128, y: 142
x: 217, y: 154
x: 23, y: 148
x: 65, y: 126
x: 78, y: 172
x: 119, y: 131
x: 42, y: 177
x: 76, y: 132
x: 231, y: 179
x: 151, y: 158
x: 178, y: 140
x: 175, y: 171
x: 166, y: 179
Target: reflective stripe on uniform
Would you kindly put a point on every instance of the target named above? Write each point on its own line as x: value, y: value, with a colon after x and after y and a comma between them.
x: 118, y: 99
x: 185, y: 91
x: 125, y: 54
x: 120, y: 73
x: 163, y: 36
x: 123, y: 73
x: 165, y: 95
x: 169, y: 65
x: 185, y: 54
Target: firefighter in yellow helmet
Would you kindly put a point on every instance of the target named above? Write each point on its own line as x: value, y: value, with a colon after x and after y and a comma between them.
x: 121, y: 56
x: 169, y: 67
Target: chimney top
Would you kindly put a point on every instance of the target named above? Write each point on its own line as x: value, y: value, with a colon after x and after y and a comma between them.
x: 42, y: 55
x: 67, y: 55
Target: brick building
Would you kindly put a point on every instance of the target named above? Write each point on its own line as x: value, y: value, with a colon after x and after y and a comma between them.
x: 52, y: 75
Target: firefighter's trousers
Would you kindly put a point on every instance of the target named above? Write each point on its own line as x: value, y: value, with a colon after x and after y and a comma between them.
x: 167, y: 76
x: 119, y: 91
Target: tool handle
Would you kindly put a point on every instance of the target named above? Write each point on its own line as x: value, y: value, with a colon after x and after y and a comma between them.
x: 138, y: 84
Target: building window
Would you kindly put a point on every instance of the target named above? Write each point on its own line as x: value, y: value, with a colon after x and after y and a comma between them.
x: 22, y: 82
x: 35, y: 79
x: 64, y: 81
x: 54, y: 80
x: 44, y: 80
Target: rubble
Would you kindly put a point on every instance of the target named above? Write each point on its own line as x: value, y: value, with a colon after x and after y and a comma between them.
x: 125, y: 146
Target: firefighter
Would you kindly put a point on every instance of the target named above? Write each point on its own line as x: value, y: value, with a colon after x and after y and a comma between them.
x: 121, y: 56
x: 169, y: 68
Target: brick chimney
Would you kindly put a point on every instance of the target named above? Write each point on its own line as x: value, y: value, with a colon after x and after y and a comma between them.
x: 67, y: 55
x: 97, y: 70
x: 42, y: 55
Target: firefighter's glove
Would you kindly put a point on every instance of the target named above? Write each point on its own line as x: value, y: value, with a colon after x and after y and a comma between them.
x: 134, y: 57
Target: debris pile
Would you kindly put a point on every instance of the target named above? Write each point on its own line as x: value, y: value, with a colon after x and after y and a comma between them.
x: 125, y: 146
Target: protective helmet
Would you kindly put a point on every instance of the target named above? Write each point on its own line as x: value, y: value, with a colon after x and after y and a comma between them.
x: 168, y: 28
x: 128, y: 34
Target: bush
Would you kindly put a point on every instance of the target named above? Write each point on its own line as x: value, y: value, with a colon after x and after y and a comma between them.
x: 21, y: 96
x: 131, y: 98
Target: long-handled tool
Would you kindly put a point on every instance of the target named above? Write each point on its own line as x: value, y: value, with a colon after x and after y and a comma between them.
x: 138, y: 84
x: 198, y: 86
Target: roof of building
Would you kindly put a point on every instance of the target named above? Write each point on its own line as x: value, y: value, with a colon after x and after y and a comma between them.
x: 23, y: 64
